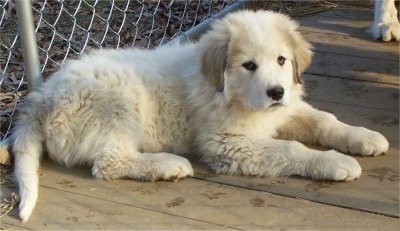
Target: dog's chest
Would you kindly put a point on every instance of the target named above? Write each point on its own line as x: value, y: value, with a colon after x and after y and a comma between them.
x: 260, y: 125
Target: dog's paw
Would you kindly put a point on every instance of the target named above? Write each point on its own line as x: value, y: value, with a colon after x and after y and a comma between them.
x: 25, y: 212
x: 333, y: 165
x: 171, y: 167
x: 362, y: 141
x: 386, y: 31
x: 27, y: 203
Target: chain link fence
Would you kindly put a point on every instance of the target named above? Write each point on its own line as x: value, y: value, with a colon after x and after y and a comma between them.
x: 67, y: 28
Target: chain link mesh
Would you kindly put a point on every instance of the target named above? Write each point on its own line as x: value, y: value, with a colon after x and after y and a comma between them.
x: 67, y: 28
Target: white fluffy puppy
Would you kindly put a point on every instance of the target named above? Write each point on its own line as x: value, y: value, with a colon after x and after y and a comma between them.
x: 234, y: 99
x: 386, y: 23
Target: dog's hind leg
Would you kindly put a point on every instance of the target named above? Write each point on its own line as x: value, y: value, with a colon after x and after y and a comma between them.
x: 113, y: 164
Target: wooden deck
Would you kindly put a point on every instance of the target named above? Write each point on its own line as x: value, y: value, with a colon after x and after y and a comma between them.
x: 352, y: 76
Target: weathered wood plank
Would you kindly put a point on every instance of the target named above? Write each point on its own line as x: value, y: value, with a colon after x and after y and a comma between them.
x: 352, y: 92
x: 71, y: 198
x: 4, y: 226
x: 352, y: 46
x: 350, y: 22
x: 361, y: 68
x: 60, y: 209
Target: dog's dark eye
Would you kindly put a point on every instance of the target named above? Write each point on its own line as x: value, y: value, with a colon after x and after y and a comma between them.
x: 250, y: 65
x: 281, y: 60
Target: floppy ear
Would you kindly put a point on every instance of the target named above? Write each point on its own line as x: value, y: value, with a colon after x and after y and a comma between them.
x: 296, y: 75
x: 212, y: 58
x: 302, y: 56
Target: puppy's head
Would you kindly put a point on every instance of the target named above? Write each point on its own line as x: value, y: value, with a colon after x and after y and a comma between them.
x: 255, y: 58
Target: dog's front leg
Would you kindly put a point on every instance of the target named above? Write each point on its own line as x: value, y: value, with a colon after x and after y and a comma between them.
x: 238, y: 155
x: 386, y: 23
x: 315, y: 126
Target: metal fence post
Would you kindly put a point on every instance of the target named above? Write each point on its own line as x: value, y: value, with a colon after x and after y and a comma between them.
x: 28, y: 42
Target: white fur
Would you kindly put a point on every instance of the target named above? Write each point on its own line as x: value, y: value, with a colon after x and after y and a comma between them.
x: 125, y: 112
x: 386, y: 23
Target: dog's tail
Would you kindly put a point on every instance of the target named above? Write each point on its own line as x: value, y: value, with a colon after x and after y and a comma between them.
x: 27, y: 139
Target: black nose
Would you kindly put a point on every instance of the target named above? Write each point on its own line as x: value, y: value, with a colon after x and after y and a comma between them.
x: 276, y: 93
